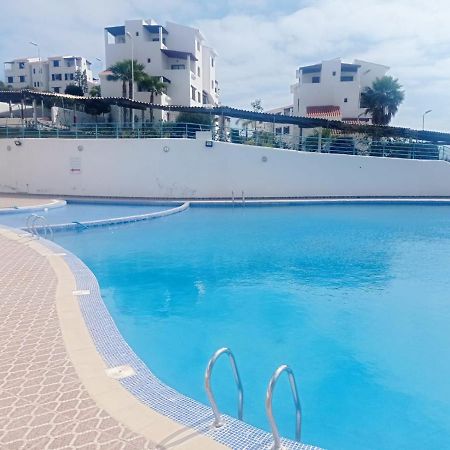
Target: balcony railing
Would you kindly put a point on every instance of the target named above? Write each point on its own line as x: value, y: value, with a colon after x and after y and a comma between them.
x: 343, y: 145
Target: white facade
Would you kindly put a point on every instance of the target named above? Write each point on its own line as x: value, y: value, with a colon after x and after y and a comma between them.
x: 277, y: 128
x: 332, y: 89
x: 53, y: 74
x: 187, y: 168
x: 176, y: 53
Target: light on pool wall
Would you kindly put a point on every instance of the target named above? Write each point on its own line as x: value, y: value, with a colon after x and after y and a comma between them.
x: 209, y: 144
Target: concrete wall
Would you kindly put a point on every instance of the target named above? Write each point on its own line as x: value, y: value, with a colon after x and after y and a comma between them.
x: 178, y: 168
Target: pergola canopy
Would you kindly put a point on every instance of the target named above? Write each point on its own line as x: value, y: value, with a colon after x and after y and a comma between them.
x: 27, y: 96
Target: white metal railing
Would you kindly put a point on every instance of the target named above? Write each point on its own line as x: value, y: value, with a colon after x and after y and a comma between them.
x: 339, y: 144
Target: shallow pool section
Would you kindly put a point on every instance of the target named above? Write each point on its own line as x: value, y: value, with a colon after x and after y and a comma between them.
x: 83, y: 212
x: 355, y: 298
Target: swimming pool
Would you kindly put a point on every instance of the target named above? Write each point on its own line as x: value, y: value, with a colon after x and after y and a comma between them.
x: 355, y: 298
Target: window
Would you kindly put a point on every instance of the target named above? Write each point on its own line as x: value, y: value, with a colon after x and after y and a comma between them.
x: 56, y: 89
x: 137, y: 33
x: 56, y: 77
x: 34, y: 70
x: 149, y: 60
x: 71, y: 76
x: 212, y: 62
x: 34, y: 84
x: 278, y: 130
x: 199, y: 98
x: 334, y: 73
x: 285, y: 130
x: 22, y: 78
x: 21, y: 65
x: 193, y: 92
x: 38, y: 84
x: 10, y: 79
x: 55, y: 63
x: 66, y: 76
x: 198, y: 71
x: 315, y: 80
x: 178, y: 67
x: 346, y: 77
x: 345, y: 100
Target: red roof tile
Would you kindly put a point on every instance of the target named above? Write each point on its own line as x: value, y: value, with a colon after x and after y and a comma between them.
x: 323, y: 111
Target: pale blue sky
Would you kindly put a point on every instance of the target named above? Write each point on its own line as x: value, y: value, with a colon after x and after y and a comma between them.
x: 262, y: 42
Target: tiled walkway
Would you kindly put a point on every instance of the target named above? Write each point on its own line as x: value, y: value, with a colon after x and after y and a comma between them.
x: 7, y: 201
x: 43, y: 404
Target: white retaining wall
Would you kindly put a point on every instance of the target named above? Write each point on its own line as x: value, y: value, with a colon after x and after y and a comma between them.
x: 186, y: 168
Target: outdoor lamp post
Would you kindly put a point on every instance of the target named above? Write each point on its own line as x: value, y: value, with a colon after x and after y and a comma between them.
x: 132, y: 75
x: 38, y: 49
x: 423, y: 118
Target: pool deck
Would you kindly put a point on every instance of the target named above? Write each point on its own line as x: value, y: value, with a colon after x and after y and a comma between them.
x: 16, y: 203
x: 54, y: 389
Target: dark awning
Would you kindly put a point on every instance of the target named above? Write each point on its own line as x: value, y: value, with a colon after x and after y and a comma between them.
x: 155, y: 29
x: 311, y: 69
x: 116, y: 31
x: 302, y: 122
x: 178, y: 55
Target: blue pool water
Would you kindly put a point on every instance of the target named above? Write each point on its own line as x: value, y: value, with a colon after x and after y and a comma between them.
x: 355, y: 298
x: 81, y: 212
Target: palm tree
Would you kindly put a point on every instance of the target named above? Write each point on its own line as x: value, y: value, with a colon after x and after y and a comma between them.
x: 382, y: 99
x: 155, y: 86
x: 122, y: 71
x: 95, y: 91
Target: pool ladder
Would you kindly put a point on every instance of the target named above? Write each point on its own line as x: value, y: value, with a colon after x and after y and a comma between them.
x: 269, y: 396
x: 33, y: 227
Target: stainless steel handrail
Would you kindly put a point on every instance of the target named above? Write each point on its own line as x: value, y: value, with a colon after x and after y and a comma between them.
x: 217, y: 417
x: 28, y: 223
x: 31, y: 226
x: 269, y: 409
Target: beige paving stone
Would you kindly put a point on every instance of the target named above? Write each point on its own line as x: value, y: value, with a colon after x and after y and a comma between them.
x: 43, y: 404
x: 55, y: 396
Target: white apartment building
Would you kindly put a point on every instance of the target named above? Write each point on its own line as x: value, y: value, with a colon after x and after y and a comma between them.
x: 332, y: 89
x: 176, y: 53
x: 53, y: 74
x: 278, y: 128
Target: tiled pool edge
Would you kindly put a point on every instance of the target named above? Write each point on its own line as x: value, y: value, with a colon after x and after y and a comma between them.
x: 116, y: 220
x: 145, y: 386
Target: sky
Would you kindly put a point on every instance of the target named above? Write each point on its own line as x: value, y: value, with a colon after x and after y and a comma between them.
x: 261, y: 43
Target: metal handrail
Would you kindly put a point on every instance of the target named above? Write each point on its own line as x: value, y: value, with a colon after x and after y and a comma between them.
x: 260, y: 136
x: 217, y: 417
x: 269, y: 409
x: 31, y: 226
x: 28, y: 223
